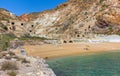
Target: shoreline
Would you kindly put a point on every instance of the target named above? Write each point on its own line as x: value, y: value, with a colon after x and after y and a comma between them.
x: 83, y: 54
x: 50, y: 51
x: 88, y: 54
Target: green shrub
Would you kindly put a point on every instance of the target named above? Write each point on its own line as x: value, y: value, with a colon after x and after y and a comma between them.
x: 27, y: 37
x: 4, y: 45
x: 9, y: 66
x: 12, y: 73
x: 3, y: 26
x: 25, y: 61
x: 110, y: 28
x: 5, y: 40
x: 101, y: 1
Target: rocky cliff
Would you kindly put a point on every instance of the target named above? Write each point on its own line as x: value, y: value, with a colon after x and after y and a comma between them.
x: 75, y: 18
x: 6, y: 15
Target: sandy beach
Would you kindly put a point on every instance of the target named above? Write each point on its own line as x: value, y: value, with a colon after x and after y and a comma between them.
x: 53, y: 51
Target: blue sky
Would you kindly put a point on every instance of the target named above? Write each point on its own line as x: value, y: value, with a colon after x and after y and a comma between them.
x: 20, y: 7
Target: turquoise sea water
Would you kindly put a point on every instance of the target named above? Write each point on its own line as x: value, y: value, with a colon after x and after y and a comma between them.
x: 104, y: 64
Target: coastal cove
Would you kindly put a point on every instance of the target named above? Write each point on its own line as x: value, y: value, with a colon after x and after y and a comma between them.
x: 60, y: 38
x: 79, y: 59
x: 100, y: 64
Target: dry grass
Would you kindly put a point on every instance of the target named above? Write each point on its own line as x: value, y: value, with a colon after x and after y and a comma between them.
x: 12, y: 73
x: 9, y: 66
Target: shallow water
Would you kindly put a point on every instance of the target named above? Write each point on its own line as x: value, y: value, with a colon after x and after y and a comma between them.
x: 104, y: 64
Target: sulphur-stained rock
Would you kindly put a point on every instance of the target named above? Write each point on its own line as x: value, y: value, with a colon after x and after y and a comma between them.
x: 24, y: 17
x: 66, y: 19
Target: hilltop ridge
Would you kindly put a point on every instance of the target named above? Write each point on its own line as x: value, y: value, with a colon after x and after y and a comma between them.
x: 73, y: 19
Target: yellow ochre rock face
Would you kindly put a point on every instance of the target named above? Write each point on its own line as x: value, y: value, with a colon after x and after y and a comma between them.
x: 73, y: 18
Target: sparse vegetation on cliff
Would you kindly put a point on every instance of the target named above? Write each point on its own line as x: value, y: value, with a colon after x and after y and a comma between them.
x: 5, y: 41
x: 3, y: 27
x: 12, y: 73
x: 68, y: 17
x: 28, y: 37
x: 9, y: 66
